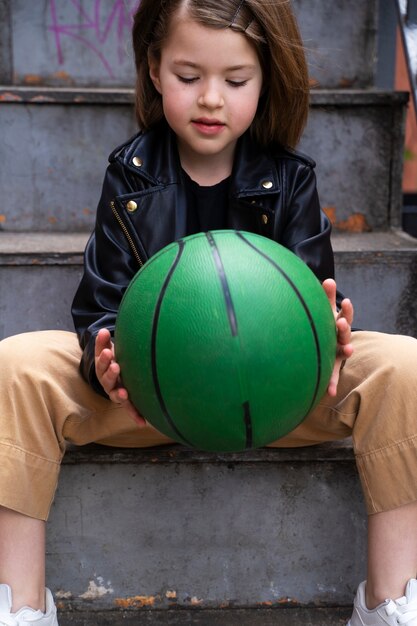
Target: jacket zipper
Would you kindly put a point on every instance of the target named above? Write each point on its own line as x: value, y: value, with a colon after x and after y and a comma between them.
x: 126, y: 232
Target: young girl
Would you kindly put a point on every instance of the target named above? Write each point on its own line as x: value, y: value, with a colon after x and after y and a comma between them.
x: 221, y: 100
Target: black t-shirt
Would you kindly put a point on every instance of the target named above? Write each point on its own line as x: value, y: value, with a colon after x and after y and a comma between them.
x: 206, y: 206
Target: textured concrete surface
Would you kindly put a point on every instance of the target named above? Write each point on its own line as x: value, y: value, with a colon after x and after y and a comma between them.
x: 169, y: 528
x: 54, y: 184
x: 250, y: 617
x: 80, y: 44
x: 378, y: 272
x: 357, y: 143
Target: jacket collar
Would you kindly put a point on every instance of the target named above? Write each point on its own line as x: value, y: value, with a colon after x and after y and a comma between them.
x: 153, y: 155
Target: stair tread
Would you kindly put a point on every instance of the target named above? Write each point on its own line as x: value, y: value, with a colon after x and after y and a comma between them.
x: 123, y: 95
x: 42, y: 243
x: 56, y: 243
x: 94, y: 453
x: 309, y: 616
x: 389, y: 240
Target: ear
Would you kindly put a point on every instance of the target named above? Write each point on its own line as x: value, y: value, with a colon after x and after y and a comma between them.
x: 153, y: 64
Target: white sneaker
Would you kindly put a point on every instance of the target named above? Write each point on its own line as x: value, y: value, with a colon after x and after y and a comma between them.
x: 390, y: 612
x: 25, y: 615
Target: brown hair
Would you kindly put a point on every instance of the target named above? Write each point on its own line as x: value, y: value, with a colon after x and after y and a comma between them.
x: 271, y: 28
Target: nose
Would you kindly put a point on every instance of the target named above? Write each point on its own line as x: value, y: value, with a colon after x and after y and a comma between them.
x: 211, y: 96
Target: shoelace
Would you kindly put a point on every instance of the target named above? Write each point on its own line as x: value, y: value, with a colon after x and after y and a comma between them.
x: 406, y: 613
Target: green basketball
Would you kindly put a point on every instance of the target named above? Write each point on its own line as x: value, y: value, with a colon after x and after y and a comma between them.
x: 226, y: 341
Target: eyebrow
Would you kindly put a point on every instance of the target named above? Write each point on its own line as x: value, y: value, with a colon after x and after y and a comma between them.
x: 232, y: 68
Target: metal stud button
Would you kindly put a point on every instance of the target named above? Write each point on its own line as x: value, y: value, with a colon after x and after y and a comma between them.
x: 265, y: 219
x: 267, y: 184
x: 137, y: 161
x: 131, y: 206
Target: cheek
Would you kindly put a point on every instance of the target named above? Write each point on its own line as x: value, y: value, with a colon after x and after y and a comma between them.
x: 176, y: 102
x: 245, y: 108
x: 173, y: 112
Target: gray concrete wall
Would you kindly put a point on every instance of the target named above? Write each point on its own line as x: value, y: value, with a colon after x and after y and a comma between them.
x: 37, y: 298
x: 55, y: 42
x: 164, y: 529
x: 53, y: 162
x: 356, y: 139
x: 54, y: 155
x: 381, y: 284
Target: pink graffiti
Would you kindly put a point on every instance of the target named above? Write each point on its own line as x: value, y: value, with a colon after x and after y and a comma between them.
x: 89, y: 31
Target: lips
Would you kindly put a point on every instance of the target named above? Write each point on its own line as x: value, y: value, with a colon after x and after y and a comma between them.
x: 208, y: 121
x: 208, y: 126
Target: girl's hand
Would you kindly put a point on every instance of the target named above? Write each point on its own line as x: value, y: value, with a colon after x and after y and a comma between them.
x: 344, y: 319
x: 108, y: 374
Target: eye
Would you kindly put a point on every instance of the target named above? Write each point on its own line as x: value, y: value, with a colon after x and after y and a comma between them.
x: 186, y: 80
x: 237, y: 83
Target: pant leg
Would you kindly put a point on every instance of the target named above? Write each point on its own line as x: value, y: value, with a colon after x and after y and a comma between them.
x: 376, y: 404
x: 44, y: 402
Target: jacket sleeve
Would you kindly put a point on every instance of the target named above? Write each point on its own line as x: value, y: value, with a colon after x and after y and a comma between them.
x: 307, y: 228
x: 109, y: 266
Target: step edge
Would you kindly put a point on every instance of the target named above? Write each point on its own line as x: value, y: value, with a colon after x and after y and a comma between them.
x: 338, y: 451
x: 332, y: 614
x: 24, y: 248
x: 12, y: 94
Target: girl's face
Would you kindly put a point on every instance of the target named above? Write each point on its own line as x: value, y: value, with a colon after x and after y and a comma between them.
x: 210, y: 82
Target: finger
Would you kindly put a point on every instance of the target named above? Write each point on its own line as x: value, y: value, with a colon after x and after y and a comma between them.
x: 346, y: 310
x: 345, y: 351
x: 334, y: 379
x: 120, y: 396
x: 344, y: 332
x: 103, y: 341
x: 104, y: 361
x: 133, y: 413
x: 329, y: 287
x: 110, y: 378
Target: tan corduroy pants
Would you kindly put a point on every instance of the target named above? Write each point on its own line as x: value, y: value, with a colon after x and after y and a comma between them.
x: 44, y: 402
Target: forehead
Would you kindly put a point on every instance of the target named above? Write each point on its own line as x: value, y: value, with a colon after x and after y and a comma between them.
x: 188, y: 40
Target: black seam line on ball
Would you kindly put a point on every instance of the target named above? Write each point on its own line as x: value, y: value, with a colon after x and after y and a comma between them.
x: 224, y: 284
x: 157, y: 312
x: 247, y: 418
x: 248, y: 424
x: 306, y: 309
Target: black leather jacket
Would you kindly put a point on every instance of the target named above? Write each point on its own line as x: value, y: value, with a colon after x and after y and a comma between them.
x: 142, y: 209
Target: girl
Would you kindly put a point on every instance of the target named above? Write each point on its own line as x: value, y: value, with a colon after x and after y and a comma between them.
x: 221, y: 100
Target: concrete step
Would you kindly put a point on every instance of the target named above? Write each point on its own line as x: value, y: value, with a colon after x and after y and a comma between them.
x: 357, y: 140
x: 54, y: 183
x: 267, y: 535
x: 39, y: 273
x: 378, y: 272
x: 68, y: 43
x: 223, y: 617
